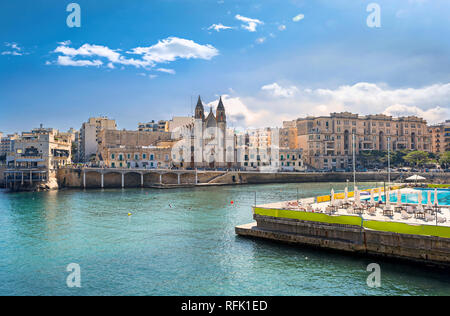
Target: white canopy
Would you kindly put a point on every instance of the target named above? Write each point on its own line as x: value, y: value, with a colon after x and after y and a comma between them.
x: 415, y: 178
x: 429, y: 198
x: 388, y: 198
x: 357, y: 197
x: 380, y: 200
x: 419, y: 200
x: 346, y: 195
x: 399, y: 198
x: 332, y: 197
x: 372, y: 193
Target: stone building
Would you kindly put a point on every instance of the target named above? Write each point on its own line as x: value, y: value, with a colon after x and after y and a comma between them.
x: 89, y: 135
x: 41, y: 148
x: 440, y: 137
x: 327, y: 140
x: 152, y: 126
x: 134, y: 149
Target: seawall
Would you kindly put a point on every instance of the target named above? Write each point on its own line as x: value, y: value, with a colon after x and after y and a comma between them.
x: 2, y: 178
x: 131, y: 178
x: 430, y: 250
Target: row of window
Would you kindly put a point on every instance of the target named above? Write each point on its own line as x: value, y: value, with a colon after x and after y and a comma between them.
x: 135, y: 157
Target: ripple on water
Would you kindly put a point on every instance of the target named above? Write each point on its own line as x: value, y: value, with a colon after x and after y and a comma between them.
x: 177, y: 242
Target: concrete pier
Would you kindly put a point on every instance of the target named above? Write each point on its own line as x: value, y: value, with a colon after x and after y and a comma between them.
x: 349, y: 238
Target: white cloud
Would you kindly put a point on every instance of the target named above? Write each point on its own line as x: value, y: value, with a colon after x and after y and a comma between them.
x: 68, y: 61
x: 218, y: 27
x: 13, y: 50
x: 173, y: 48
x: 169, y: 71
x: 239, y: 115
x: 260, y: 40
x: 251, y: 23
x: 430, y: 102
x: 432, y: 115
x: 165, y: 51
x: 276, y: 90
x: 282, y: 27
x: 298, y: 17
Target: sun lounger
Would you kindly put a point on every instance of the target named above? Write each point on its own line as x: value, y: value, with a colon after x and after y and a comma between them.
x: 372, y: 211
x: 441, y: 219
x: 405, y: 215
x: 429, y: 218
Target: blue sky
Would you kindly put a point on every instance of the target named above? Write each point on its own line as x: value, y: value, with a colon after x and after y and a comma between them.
x: 157, y: 56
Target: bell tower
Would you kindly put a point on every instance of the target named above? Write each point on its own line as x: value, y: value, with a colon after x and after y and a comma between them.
x: 199, y: 110
x: 220, y: 112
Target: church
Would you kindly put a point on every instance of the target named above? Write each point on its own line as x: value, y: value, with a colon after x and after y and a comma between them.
x: 214, y: 128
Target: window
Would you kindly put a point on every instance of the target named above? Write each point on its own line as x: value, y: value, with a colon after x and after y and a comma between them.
x: 144, y: 156
x: 113, y: 156
x: 136, y: 157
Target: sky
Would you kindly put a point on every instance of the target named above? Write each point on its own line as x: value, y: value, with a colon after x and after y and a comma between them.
x: 273, y: 60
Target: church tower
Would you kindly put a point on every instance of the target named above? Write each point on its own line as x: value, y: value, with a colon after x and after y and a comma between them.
x: 220, y: 112
x: 199, y: 110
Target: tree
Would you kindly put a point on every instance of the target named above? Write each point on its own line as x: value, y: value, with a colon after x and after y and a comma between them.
x: 444, y: 160
x: 417, y: 158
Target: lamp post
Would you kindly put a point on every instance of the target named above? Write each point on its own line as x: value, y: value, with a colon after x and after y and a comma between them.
x: 389, y: 160
x: 354, y: 162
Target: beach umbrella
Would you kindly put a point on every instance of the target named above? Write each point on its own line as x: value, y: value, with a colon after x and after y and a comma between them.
x: 399, y: 198
x: 436, y: 202
x: 357, y: 197
x: 346, y: 195
x: 415, y: 178
x: 372, y: 193
x: 429, y: 198
x: 332, y: 197
x: 388, y: 199
x: 379, y: 196
x: 419, y: 199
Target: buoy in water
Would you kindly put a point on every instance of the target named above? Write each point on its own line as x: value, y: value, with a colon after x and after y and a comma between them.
x: 232, y: 202
x: 129, y: 214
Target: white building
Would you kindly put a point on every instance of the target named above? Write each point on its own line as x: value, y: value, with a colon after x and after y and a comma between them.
x: 88, y: 136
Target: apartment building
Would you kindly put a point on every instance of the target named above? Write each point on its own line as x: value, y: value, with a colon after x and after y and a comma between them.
x: 88, y: 136
x: 327, y: 140
x: 7, y: 144
x: 288, y: 135
x: 152, y: 126
x: 440, y: 137
x: 42, y: 148
x: 134, y: 149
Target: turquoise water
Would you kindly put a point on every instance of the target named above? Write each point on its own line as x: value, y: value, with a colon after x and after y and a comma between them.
x: 177, y: 242
x: 443, y: 197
